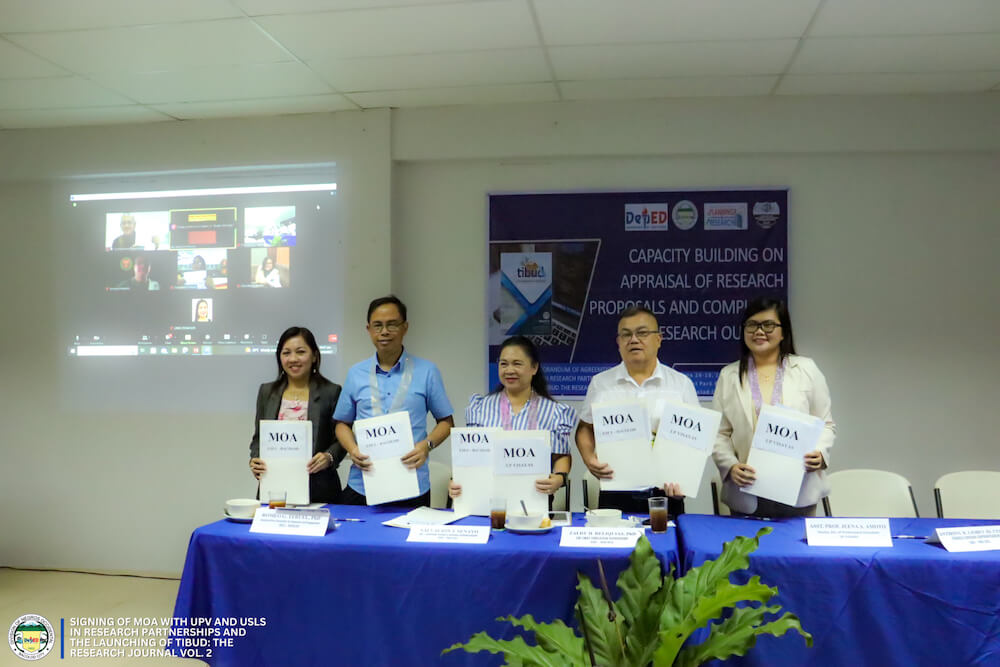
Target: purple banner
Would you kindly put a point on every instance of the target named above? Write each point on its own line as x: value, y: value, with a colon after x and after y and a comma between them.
x: 563, y: 266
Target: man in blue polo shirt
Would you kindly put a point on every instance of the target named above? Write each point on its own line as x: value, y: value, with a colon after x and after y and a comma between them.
x: 400, y: 381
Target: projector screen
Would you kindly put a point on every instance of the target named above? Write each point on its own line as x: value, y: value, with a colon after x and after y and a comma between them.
x: 176, y: 297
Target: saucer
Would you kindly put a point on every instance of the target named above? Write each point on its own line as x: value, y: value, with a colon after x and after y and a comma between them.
x: 527, y: 531
x: 237, y: 519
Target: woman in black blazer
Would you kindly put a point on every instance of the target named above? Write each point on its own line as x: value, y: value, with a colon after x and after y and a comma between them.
x: 301, y: 392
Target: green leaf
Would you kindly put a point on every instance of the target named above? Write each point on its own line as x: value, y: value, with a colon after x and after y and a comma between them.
x: 516, y: 651
x: 555, y: 637
x: 738, y: 634
x: 641, y: 602
x: 606, y: 638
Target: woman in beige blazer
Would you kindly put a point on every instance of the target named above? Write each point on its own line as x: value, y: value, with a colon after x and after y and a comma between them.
x: 769, y: 373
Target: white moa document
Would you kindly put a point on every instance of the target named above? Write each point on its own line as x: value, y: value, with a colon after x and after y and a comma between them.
x: 782, y: 438
x: 624, y: 442
x: 519, y: 458
x: 286, y: 447
x: 386, y: 440
x: 683, y: 443
x: 472, y: 468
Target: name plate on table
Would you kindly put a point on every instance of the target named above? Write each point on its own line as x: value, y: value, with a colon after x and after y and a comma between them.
x: 968, y: 538
x: 601, y: 538
x: 781, y: 440
x: 308, y: 523
x: 450, y: 534
x: 472, y: 468
x: 825, y: 532
x: 286, y: 447
x: 386, y: 440
x: 624, y: 442
x: 683, y: 444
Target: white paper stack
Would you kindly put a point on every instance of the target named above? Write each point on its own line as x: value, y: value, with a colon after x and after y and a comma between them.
x: 623, y: 437
x: 386, y: 440
x: 286, y: 447
x: 782, y: 438
x: 520, y: 458
x: 683, y: 443
x: 472, y: 468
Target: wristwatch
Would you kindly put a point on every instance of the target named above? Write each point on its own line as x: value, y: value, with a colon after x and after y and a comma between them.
x: 565, y: 477
x: 430, y: 445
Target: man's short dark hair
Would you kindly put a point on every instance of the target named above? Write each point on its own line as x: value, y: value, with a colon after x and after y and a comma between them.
x: 381, y: 301
x: 637, y: 310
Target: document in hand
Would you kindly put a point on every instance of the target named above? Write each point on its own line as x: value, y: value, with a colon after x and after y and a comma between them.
x: 783, y: 436
x: 519, y: 458
x: 386, y: 440
x: 472, y: 468
x: 286, y: 447
x: 683, y: 443
x: 624, y: 442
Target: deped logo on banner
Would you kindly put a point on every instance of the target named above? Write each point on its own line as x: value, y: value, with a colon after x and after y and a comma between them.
x: 646, y: 217
x: 726, y: 216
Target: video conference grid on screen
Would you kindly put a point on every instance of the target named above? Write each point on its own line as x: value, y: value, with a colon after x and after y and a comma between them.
x: 186, y: 280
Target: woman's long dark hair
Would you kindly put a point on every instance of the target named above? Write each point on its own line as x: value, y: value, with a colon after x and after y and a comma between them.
x: 538, y: 382
x: 307, y: 336
x: 787, y: 344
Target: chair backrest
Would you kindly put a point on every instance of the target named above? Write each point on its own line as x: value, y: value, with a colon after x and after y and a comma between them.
x: 870, y: 493
x: 718, y: 506
x: 971, y: 494
x: 591, y: 490
x: 440, y: 475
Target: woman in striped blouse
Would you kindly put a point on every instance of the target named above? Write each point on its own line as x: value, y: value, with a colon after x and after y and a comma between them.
x: 522, y: 401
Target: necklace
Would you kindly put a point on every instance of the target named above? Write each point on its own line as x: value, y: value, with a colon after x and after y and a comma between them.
x: 297, y: 394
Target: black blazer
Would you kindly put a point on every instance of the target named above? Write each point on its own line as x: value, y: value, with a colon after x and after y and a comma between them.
x: 324, y: 486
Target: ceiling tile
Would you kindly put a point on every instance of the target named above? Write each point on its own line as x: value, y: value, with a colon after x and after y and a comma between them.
x: 262, y: 107
x: 886, y: 84
x: 430, y: 97
x: 638, y: 89
x: 16, y: 63
x: 25, y: 118
x: 635, y: 21
x: 44, y: 15
x: 55, y: 92
x: 729, y: 58
x: 269, y: 7
x: 435, y: 70
x: 155, y: 48
x: 217, y: 83
x: 905, y: 17
x: 405, y: 30
x: 929, y: 53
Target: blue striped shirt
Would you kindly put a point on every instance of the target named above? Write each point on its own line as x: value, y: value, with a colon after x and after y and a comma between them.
x: 559, y: 419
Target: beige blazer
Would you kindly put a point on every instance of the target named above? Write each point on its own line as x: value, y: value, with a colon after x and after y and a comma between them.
x: 804, y: 389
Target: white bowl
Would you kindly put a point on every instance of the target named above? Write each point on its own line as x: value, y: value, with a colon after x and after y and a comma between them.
x: 604, y: 518
x: 522, y: 522
x: 242, y: 508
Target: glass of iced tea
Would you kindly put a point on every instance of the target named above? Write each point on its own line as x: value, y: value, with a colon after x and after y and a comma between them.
x: 276, y: 499
x: 658, y: 515
x: 498, y: 513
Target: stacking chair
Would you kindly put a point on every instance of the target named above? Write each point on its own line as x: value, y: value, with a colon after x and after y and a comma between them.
x: 718, y: 506
x: 971, y: 494
x: 591, y: 490
x: 870, y: 493
x: 440, y: 476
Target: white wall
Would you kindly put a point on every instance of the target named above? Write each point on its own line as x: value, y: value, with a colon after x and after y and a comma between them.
x: 892, y: 288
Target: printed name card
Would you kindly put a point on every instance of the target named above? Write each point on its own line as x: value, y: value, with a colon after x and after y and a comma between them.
x: 969, y: 538
x: 624, y: 442
x: 308, y: 523
x: 286, y: 447
x: 781, y: 440
x: 600, y: 538
x: 449, y: 534
x: 683, y: 444
x: 835, y: 532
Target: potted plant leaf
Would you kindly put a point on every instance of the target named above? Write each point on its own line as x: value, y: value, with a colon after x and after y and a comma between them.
x: 654, y: 617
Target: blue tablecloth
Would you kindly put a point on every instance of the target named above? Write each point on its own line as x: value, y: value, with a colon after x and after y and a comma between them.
x: 362, y: 595
x: 912, y: 604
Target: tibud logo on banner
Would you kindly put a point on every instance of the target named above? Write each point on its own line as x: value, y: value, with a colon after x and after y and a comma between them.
x: 646, y: 217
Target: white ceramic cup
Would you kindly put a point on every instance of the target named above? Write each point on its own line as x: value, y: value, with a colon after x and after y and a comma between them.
x: 242, y: 508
